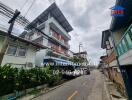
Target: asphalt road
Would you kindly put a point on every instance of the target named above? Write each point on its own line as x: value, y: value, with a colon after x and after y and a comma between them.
x: 87, y: 87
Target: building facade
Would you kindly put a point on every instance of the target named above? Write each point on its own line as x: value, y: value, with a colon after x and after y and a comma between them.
x: 19, y: 52
x: 55, y: 28
x: 121, y: 33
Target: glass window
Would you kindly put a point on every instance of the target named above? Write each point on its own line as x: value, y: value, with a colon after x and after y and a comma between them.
x: 130, y: 34
x: 129, y: 41
x: 22, y: 51
x: 118, y: 50
x: 121, y: 49
x: 124, y: 45
x: 11, y: 50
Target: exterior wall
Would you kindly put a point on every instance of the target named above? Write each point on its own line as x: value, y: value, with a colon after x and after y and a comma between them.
x: 1, y: 41
x: 40, y: 55
x: 60, y: 28
x: 118, y: 35
x: 126, y: 58
x: 113, y: 63
x: 17, y: 60
x: 61, y: 52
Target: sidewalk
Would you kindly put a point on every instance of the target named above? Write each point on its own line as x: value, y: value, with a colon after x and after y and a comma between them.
x: 99, y: 91
x: 111, y: 90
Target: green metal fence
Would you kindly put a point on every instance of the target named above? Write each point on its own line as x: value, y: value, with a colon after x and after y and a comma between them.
x: 125, y: 43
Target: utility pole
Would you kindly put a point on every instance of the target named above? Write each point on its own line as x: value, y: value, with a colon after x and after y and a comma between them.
x: 6, y: 40
x: 80, y: 46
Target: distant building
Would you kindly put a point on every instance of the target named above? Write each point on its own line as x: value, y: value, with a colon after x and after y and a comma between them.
x: 20, y: 52
x: 53, y: 23
x: 71, y: 53
x: 82, y: 56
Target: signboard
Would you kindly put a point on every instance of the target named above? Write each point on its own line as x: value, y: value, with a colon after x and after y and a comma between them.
x: 117, y: 11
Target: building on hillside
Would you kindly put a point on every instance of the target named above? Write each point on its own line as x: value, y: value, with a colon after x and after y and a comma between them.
x: 20, y: 52
x: 53, y: 23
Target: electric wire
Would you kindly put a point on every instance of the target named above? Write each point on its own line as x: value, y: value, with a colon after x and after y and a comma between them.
x: 29, y: 7
x: 23, y: 5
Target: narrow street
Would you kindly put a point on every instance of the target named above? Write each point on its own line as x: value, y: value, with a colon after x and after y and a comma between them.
x: 88, y: 87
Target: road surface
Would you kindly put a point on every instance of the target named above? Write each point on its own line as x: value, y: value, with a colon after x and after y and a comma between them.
x: 87, y: 87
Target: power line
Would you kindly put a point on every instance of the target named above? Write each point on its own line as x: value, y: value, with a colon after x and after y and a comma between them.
x: 23, y: 5
x: 30, y: 7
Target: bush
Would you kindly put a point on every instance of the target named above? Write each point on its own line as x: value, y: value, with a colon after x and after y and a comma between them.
x: 13, y: 79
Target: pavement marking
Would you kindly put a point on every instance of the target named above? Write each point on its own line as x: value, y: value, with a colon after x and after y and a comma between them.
x: 73, y: 94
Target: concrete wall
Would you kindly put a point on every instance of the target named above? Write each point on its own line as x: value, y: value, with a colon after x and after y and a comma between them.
x: 126, y: 58
x: 17, y: 60
x: 1, y: 41
x: 118, y: 35
x: 40, y: 55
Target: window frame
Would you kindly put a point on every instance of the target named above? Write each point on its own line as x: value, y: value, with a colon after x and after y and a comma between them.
x: 19, y: 49
x: 8, y: 49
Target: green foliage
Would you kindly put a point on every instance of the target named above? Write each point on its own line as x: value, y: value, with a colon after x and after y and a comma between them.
x: 13, y: 79
x: 76, y: 59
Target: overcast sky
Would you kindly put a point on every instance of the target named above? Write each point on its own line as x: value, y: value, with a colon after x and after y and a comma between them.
x: 87, y: 17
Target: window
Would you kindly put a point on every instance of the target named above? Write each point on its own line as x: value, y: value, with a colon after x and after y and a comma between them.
x: 124, y: 45
x: 21, y: 51
x: 11, y: 50
x: 129, y: 41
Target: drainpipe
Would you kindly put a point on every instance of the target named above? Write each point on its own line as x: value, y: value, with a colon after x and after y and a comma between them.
x: 122, y: 69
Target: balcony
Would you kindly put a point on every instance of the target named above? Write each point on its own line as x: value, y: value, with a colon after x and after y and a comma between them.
x: 59, y: 39
x: 125, y: 43
x: 59, y: 51
x: 55, y: 25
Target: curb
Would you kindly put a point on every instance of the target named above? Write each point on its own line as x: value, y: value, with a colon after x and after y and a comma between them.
x: 106, y: 89
x: 46, y: 91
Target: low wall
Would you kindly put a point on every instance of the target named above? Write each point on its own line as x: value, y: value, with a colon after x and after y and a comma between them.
x: 17, y: 94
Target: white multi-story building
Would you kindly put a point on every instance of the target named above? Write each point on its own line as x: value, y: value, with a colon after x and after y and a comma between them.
x: 55, y: 28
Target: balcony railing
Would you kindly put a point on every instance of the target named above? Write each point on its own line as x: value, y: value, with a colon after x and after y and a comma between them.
x: 57, y: 38
x: 125, y: 43
x: 57, y: 50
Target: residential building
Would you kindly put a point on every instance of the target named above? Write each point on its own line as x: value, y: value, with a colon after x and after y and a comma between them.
x: 20, y: 52
x: 121, y: 33
x: 82, y: 58
x: 82, y: 55
x: 55, y: 26
x: 109, y: 62
x: 121, y: 29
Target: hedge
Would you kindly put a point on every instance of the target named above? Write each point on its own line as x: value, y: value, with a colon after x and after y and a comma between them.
x: 14, y: 79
